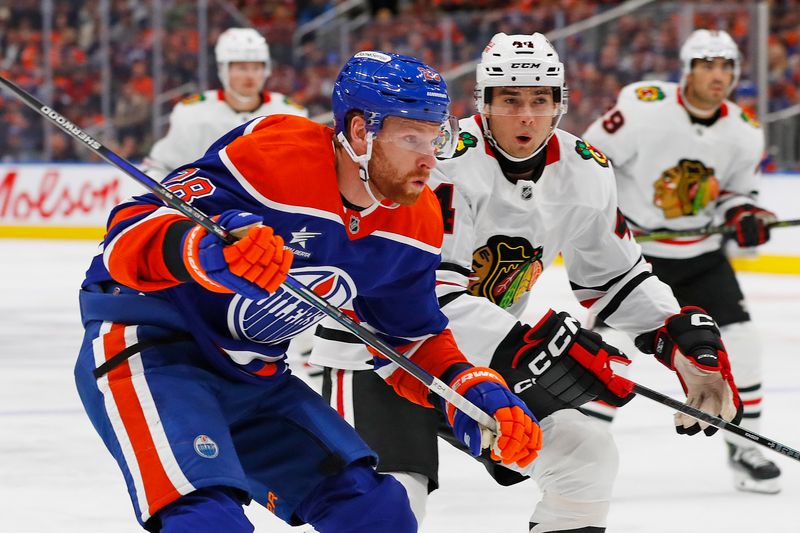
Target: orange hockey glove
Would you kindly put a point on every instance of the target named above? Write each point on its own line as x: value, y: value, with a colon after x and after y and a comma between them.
x: 254, y: 267
x: 518, y: 438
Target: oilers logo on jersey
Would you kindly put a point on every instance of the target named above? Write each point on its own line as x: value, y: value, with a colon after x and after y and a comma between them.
x: 281, y: 316
x: 685, y: 189
x: 504, y: 269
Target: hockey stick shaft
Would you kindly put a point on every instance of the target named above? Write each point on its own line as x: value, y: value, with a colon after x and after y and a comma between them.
x: 713, y: 230
x: 716, y: 421
x: 291, y: 284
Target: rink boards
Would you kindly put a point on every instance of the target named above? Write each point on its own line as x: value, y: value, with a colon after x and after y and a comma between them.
x: 72, y: 201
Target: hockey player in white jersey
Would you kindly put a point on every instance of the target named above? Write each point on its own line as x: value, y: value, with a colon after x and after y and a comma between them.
x: 243, y: 66
x: 518, y: 192
x: 686, y: 158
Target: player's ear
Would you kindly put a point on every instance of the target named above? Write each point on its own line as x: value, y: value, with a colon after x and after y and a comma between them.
x: 358, y: 134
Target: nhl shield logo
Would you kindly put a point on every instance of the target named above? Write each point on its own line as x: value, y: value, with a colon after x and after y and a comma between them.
x: 355, y: 224
x: 527, y: 192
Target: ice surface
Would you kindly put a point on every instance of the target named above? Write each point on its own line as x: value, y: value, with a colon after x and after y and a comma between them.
x: 55, y: 474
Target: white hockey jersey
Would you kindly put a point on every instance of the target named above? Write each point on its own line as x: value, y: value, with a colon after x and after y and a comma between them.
x: 199, y: 120
x: 673, y: 174
x: 500, y: 236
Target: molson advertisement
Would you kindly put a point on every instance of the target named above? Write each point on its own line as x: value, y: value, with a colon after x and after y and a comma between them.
x: 66, y: 201
x: 72, y: 201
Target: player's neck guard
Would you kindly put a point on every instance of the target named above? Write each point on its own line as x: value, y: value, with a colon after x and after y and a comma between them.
x: 363, y: 171
x: 528, y: 169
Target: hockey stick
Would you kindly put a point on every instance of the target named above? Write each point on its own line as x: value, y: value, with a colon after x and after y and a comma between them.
x: 716, y: 421
x: 712, y: 230
x: 291, y: 284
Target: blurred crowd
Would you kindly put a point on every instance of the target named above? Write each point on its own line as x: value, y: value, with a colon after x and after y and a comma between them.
x: 444, y: 33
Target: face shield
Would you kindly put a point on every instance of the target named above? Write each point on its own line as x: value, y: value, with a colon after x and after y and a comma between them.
x: 399, y: 134
x: 524, y: 102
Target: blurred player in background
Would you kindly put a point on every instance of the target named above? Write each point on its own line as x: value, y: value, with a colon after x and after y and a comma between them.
x: 517, y: 193
x: 686, y: 158
x: 182, y: 368
x: 243, y: 66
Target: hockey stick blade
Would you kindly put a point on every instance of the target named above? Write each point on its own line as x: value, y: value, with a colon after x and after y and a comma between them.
x: 662, y: 235
x: 717, y: 422
x: 291, y: 284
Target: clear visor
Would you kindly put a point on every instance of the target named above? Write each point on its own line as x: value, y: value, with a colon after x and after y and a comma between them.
x: 419, y: 136
x: 523, y: 102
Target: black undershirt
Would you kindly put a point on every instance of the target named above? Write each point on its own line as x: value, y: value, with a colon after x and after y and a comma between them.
x: 350, y: 205
x: 705, y: 121
x: 531, y: 169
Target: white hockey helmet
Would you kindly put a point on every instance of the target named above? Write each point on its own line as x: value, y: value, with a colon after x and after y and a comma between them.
x: 520, y: 61
x: 240, y: 44
x: 708, y: 44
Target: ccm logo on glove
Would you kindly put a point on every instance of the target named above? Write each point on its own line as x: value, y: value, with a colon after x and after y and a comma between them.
x: 555, y: 348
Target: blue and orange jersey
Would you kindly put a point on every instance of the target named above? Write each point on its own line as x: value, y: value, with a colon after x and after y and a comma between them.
x: 379, y: 264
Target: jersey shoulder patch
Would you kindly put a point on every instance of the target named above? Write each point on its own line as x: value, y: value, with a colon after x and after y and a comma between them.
x: 193, y: 99
x: 649, y: 93
x: 750, y: 119
x: 466, y: 140
x: 587, y: 151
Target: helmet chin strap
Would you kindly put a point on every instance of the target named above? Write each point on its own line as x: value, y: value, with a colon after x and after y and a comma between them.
x: 363, y: 170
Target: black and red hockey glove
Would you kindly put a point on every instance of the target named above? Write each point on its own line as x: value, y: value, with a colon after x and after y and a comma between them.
x: 750, y: 223
x: 689, y: 343
x: 572, y: 363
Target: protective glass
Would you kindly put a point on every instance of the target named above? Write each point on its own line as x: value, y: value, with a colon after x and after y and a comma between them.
x: 523, y: 102
x: 420, y: 136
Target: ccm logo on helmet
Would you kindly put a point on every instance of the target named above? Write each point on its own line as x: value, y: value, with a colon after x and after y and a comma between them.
x: 526, y: 65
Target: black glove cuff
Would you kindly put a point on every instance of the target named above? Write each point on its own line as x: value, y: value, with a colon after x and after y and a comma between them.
x: 172, y: 249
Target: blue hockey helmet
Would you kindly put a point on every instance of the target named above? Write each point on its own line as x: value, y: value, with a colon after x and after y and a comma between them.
x: 382, y: 84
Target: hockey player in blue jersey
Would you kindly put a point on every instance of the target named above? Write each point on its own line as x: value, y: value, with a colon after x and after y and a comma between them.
x: 182, y: 368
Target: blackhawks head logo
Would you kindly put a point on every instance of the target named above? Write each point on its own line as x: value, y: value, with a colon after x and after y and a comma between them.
x: 649, y: 94
x: 587, y: 151
x: 504, y: 269
x: 466, y: 141
x: 685, y: 189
